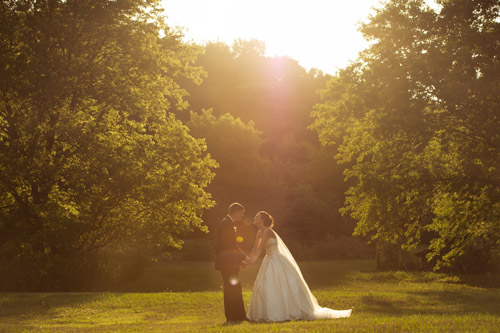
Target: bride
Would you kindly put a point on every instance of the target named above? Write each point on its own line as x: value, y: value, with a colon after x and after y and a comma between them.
x: 280, y: 292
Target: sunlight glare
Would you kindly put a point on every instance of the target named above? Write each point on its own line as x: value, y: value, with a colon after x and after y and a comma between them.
x: 317, y: 33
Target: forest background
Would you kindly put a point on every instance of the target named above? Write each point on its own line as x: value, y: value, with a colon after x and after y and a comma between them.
x: 121, y: 143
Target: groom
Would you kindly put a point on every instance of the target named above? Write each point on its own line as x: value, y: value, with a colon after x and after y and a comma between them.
x: 228, y: 258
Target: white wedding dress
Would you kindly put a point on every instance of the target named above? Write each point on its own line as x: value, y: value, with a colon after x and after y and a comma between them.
x: 280, y: 292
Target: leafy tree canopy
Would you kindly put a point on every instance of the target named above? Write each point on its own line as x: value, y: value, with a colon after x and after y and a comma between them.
x: 244, y: 175
x: 416, y: 119
x: 90, y: 153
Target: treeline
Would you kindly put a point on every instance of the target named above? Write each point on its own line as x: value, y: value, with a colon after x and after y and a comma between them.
x: 121, y: 143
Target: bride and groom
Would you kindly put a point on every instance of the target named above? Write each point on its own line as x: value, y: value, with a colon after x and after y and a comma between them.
x: 280, y: 292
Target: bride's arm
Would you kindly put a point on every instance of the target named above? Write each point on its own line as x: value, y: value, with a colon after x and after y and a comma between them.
x: 256, y: 244
x: 257, y: 248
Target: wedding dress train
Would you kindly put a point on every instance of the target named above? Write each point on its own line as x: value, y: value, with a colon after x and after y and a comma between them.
x: 280, y: 292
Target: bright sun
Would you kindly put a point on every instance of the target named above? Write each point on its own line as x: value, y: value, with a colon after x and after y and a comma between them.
x: 317, y: 33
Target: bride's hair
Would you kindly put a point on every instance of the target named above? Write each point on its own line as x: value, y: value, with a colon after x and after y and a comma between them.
x: 267, y: 219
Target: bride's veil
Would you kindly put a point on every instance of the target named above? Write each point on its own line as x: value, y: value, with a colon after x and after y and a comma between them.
x: 319, y: 312
x: 309, y: 304
x: 283, y: 249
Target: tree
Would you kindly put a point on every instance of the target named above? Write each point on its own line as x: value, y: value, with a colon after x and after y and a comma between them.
x: 243, y: 174
x: 416, y: 119
x: 291, y: 175
x: 248, y: 48
x: 276, y: 93
x: 90, y: 153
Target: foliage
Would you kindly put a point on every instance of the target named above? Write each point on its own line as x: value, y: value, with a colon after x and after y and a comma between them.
x: 416, y: 119
x: 90, y: 154
x: 243, y: 175
x: 256, y: 128
x: 276, y: 93
x: 315, y: 194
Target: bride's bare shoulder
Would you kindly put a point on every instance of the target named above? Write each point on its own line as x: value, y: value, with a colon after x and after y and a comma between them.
x: 269, y: 233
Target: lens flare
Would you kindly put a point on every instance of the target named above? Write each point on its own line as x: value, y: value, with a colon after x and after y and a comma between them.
x: 233, y: 280
x: 239, y: 239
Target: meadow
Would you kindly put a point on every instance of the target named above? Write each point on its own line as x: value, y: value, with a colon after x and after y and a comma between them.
x: 187, y: 296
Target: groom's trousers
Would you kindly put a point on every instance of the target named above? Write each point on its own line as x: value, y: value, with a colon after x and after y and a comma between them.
x: 233, y: 298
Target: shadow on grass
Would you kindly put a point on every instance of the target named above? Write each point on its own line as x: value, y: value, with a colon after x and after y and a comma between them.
x: 488, y: 280
x: 333, y: 274
x: 35, y: 304
x: 434, y: 302
x: 481, y: 301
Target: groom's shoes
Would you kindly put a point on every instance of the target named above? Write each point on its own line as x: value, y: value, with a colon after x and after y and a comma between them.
x: 235, y: 322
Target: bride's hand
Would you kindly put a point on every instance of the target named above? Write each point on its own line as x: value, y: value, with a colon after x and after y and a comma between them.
x: 248, y: 261
x: 259, y: 233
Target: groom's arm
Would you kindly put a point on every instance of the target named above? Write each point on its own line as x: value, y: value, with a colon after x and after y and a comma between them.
x: 241, y: 250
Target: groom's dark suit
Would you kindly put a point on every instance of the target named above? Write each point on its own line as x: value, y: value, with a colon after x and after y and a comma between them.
x: 228, y: 257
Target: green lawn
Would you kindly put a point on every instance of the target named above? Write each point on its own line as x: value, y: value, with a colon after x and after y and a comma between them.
x: 187, y: 297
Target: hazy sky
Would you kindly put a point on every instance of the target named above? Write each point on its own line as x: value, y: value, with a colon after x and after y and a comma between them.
x: 317, y: 33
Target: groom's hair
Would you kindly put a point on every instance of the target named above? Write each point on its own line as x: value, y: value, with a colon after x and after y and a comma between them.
x: 235, y: 207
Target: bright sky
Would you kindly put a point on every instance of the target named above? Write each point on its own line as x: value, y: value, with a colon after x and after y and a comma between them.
x: 317, y: 33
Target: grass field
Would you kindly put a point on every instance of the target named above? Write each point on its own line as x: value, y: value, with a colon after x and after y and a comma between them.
x: 186, y: 296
